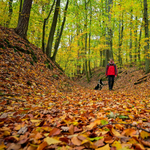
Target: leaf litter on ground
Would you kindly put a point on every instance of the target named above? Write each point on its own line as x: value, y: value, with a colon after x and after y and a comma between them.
x: 47, y: 114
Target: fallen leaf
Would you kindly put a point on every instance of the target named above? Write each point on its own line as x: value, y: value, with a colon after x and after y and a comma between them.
x: 144, y: 134
x: 75, y: 141
x: 117, y: 144
x: 106, y: 147
x: 42, y: 145
x: 14, y: 147
x: 115, y: 133
x: 51, y: 141
x: 71, y: 129
x: 54, y: 132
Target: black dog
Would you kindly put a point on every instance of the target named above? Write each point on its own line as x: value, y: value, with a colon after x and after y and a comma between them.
x: 99, y: 85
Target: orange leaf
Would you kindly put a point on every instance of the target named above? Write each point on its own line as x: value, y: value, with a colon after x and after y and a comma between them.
x: 114, y: 132
x: 99, y: 143
x: 76, y: 141
x: 54, y: 131
x: 139, y: 146
x: 144, y: 134
x: 129, y: 132
x: 71, y: 129
x: 42, y: 146
x: 106, y: 147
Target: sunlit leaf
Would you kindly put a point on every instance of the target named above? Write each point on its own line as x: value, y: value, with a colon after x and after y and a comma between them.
x: 51, y: 141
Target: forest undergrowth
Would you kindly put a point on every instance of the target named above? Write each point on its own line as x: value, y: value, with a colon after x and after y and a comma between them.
x: 40, y: 108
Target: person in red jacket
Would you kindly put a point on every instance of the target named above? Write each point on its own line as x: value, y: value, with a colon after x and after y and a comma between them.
x: 111, y: 73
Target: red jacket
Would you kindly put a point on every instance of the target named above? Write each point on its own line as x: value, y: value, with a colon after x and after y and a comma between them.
x: 111, y: 69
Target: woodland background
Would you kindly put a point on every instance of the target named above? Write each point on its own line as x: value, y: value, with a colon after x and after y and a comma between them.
x: 42, y: 43
x: 94, y: 31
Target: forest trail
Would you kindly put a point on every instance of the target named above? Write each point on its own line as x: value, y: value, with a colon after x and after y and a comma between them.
x: 42, y: 109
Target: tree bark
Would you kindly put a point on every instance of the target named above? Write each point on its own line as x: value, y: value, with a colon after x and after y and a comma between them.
x: 10, y: 13
x: 136, y: 40
x: 139, y: 43
x: 109, y: 51
x: 89, y: 62
x: 146, y: 48
x: 130, y: 53
x: 22, y: 27
x: 52, y: 31
x: 60, y: 34
x: 85, y: 27
x: 121, y: 27
x: 44, y: 24
x: 20, y: 10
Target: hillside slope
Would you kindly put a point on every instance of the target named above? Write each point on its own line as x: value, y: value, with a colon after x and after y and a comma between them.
x: 25, y: 69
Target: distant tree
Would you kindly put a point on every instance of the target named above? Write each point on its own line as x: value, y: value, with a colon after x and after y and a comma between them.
x: 52, y: 30
x: 131, y: 36
x: 20, y: 9
x: 147, y: 60
x: 23, y: 22
x: 60, y: 33
x: 10, y: 12
x: 44, y: 24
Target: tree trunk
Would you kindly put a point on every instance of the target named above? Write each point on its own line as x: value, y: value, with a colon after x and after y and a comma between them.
x: 89, y: 62
x: 146, y: 48
x: 44, y: 24
x: 85, y: 27
x: 22, y: 27
x: 60, y: 34
x: 20, y: 10
x: 135, y: 32
x: 130, y: 53
x: 120, y: 39
x: 52, y: 31
x: 109, y: 53
x: 10, y: 13
x: 139, y: 43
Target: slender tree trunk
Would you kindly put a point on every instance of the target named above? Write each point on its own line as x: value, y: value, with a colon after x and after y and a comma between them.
x: 109, y: 52
x: 20, y: 10
x: 85, y: 27
x: 90, y: 73
x: 139, y: 43
x: 22, y: 27
x: 44, y: 24
x: 121, y: 27
x: 146, y: 48
x: 110, y: 33
x: 103, y: 34
x: 135, y: 33
x: 78, y: 41
x: 60, y: 34
x: 10, y: 13
x: 52, y: 31
x: 130, y: 53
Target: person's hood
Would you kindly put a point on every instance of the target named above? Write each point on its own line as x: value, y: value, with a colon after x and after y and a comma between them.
x: 111, y: 62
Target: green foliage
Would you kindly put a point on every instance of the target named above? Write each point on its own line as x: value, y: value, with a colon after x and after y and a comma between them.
x: 72, y: 53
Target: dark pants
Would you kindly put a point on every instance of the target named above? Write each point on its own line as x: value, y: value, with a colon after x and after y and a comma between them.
x: 111, y: 81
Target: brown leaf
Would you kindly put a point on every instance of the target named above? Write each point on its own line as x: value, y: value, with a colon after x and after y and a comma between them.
x: 106, y: 147
x: 129, y: 132
x: 14, y: 146
x: 145, y: 143
x: 54, y: 132
x: 115, y: 133
x: 139, y: 146
x: 76, y: 141
x: 99, y: 143
x: 42, y: 146
x: 23, y: 141
x: 71, y: 129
